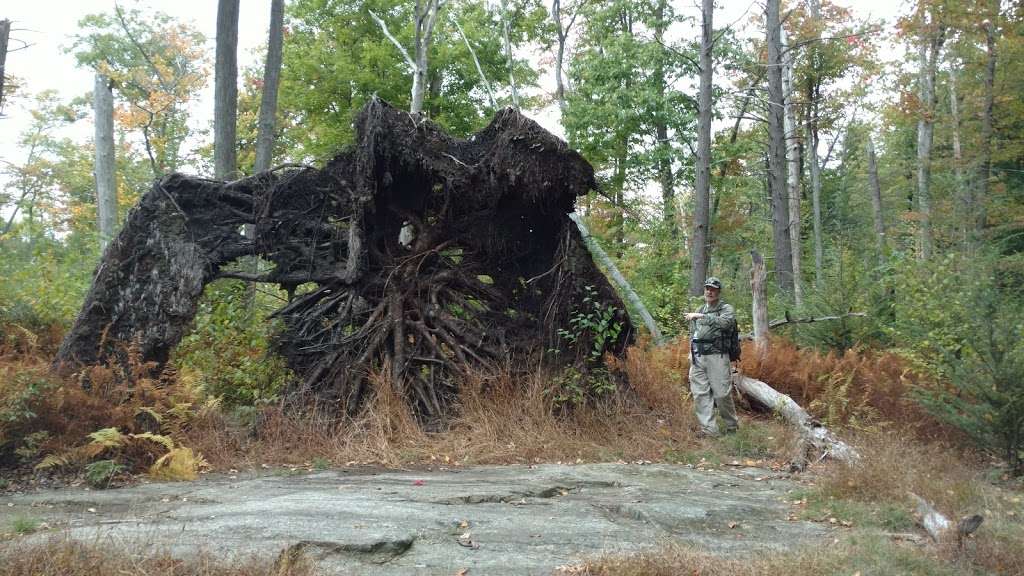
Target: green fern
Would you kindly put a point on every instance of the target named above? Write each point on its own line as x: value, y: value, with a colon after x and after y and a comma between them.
x: 108, y: 438
x: 164, y: 441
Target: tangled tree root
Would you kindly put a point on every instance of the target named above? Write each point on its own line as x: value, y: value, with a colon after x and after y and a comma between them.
x: 412, y: 251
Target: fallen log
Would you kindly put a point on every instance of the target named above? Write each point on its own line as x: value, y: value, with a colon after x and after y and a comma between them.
x: 939, y: 527
x: 624, y: 287
x: 814, y: 437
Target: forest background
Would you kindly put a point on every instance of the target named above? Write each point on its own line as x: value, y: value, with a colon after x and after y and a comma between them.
x: 885, y: 177
x: 878, y: 164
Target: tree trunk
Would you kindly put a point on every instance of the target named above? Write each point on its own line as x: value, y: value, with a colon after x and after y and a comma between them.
x: 813, y: 436
x: 271, y: 81
x: 928, y: 54
x: 812, y: 157
x: 225, y: 103
x: 476, y: 62
x: 104, y: 165
x: 702, y: 187
x: 758, y: 279
x: 426, y: 17
x: 777, y: 153
x: 793, y: 176
x: 561, y: 32
x: 618, y: 186
x: 5, y: 34
x: 625, y: 290
x: 665, y: 176
x: 985, y: 146
x: 876, y: 197
x: 509, y: 60
x: 964, y: 192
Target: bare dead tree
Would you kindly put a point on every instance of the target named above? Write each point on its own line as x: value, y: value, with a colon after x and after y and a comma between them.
x: 876, y: 197
x: 964, y: 189
x: 758, y: 281
x: 793, y: 164
x: 104, y: 166
x: 509, y: 60
x: 476, y: 62
x: 991, y: 26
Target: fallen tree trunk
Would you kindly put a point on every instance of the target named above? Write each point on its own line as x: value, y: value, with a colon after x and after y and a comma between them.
x: 814, y: 437
x: 941, y: 528
x: 625, y: 289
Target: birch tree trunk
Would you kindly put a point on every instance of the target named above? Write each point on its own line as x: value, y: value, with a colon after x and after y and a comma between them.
x: 425, y: 18
x: 271, y: 81
x: 702, y: 191
x: 625, y: 290
x: 777, y: 153
x: 509, y: 61
x: 225, y: 103
x: 793, y: 175
x: 876, y: 197
x: 106, y: 182
x: 758, y: 279
x: 928, y: 55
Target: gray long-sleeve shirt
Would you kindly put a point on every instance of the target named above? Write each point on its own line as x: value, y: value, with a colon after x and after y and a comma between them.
x: 718, y: 319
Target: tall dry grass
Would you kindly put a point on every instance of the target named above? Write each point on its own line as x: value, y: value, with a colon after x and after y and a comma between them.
x: 59, y: 556
x: 509, y: 417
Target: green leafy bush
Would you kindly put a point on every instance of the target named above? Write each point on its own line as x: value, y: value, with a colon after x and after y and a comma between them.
x: 228, y: 352
x: 955, y: 319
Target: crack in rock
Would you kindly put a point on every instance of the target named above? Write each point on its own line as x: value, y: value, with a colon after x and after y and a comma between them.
x: 379, y: 552
x: 517, y: 497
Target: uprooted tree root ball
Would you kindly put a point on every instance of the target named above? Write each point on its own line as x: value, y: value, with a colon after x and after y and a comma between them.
x: 411, y: 253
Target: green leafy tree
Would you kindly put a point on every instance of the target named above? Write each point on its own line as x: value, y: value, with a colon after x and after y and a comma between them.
x: 157, y: 66
x: 336, y: 57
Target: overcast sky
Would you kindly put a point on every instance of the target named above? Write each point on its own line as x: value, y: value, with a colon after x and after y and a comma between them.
x: 49, y: 25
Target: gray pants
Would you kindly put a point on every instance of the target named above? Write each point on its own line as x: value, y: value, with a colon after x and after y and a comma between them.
x: 711, y: 384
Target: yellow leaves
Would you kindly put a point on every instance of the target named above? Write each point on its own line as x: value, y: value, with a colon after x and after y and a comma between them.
x: 178, y: 464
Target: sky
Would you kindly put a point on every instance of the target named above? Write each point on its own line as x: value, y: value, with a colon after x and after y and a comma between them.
x: 47, y: 26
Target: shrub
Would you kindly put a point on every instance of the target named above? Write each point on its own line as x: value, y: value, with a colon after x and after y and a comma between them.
x: 228, y: 352
x: 985, y: 397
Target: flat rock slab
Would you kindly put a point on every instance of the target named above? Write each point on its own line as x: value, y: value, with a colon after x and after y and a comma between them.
x: 489, y: 520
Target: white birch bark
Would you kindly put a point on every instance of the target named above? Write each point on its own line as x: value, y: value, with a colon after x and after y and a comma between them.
x: 106, y: 181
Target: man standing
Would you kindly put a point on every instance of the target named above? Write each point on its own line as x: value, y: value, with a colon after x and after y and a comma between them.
x: 710, y: 370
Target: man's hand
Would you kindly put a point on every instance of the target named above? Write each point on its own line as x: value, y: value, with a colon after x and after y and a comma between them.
x: 693, y: 316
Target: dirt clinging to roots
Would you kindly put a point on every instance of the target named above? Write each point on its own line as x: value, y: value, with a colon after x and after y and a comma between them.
x: 412, y: 253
